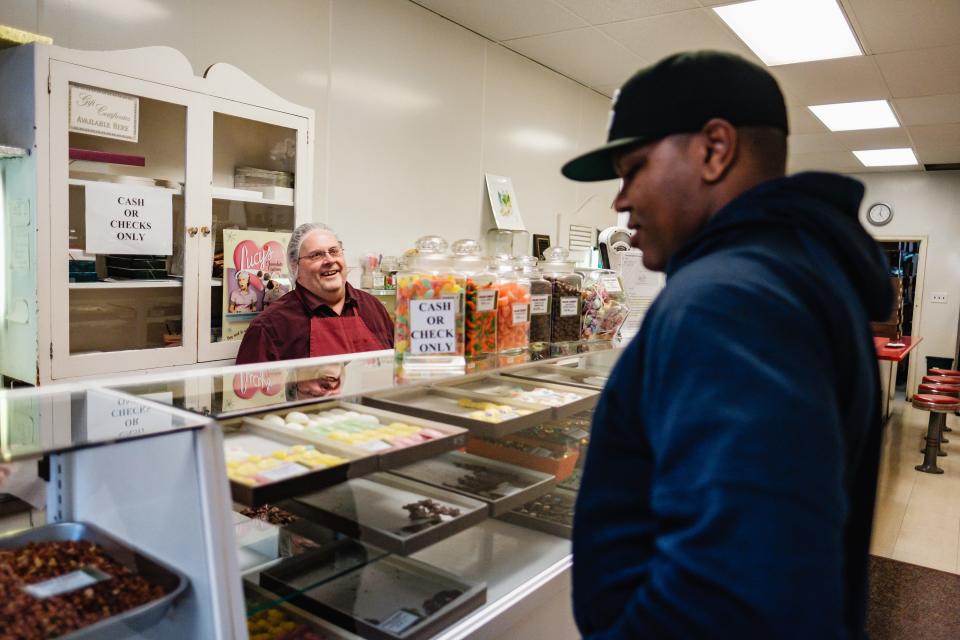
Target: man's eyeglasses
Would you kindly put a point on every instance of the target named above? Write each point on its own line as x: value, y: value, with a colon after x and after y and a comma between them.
x: 319, y: 254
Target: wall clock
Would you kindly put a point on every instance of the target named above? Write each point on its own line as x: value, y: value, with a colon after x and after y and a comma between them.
x: 879, y: 214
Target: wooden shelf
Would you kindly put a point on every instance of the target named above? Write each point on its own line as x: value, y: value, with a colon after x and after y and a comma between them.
x: 128, y: 284
x: 220, y: 194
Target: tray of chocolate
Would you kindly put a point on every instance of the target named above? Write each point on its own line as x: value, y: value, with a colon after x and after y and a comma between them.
x: 72, y: 580
x: 389, y: 599
x: 271, y: 618
x: 551, y: 513
x: 390, y: 512
x: 502, y: 486
x: 265, y: 465
x: 563, y: 400
x: 393, y: 438
x: 546, y: 457
x: 583, y: 378
x: 480, y: 414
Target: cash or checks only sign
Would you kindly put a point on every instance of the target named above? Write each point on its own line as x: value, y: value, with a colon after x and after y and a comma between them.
x: 433, y: 326
x: 124, y: 219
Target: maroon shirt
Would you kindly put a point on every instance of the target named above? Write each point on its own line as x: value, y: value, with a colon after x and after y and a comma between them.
x: 282, y: 331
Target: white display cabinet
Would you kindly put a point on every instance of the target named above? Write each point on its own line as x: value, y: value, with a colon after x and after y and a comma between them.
x: 193, y: 133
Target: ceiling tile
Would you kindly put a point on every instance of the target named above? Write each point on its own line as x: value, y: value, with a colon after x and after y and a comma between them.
x: 586, y: 55
x: 828, y: 81
x: 814, y: 143
x: 659, y: 36
x: 936, y: 136
x: 802, y: 120
x: 924, y: 72
x: 840, y: 161
x: 605, y: 11
x: 506, y: 19
x: 939, y: 156
x: 607, y: 89
x: 874, y: 139
x: 928, y: 109
x: 895, y: 25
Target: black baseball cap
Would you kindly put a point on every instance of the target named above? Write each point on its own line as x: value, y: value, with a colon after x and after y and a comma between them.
x: 680, y: 94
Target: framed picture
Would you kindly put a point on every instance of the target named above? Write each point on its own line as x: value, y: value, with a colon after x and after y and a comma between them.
x: 503, y: 203
x: 540, y: 244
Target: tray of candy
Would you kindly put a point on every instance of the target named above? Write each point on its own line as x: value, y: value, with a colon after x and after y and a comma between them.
x: 546, y: 457
x: 550, y: 513
x: 502, y: 486
x: 266, y: 465
x: 394, y: 438
x: 563, y: 400
x: 476, y: 412
x: 390, y: 512
x: 133, y: 588
x: 390, y: 598
x: 584, y: 378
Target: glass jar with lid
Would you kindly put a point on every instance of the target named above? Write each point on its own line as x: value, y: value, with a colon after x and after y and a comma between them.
x: 480, y: 300
x: 604, y: 305
x: 540, y: 308
x: 428, y: 331
x: 558, y: 270
x: 513, y: 306
x: 389, y: 267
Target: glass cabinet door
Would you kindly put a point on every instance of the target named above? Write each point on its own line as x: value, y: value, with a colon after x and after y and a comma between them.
x: 123, y: 242
x: 256, y: 201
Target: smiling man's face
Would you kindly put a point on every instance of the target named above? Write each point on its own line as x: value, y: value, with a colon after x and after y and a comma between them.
x: 324, y: 276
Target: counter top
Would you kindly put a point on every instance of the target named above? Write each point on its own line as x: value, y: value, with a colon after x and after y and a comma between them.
x: 895, y: 355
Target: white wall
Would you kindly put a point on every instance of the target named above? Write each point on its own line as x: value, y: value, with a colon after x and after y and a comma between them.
x: 925, y: 204
x: 411, y: 108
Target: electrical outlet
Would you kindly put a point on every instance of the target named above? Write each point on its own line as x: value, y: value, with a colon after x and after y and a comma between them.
x: 939, y: 297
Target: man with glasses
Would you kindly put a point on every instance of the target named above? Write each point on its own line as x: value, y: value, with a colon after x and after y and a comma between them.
x: 323, y: 315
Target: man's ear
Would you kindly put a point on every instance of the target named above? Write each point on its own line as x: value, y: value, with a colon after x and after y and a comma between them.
x: 721, y: 145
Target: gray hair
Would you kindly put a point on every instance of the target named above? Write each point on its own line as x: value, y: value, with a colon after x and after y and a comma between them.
x: 296, y: 241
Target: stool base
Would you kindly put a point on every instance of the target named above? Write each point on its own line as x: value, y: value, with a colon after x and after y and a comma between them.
x: 925, y: 468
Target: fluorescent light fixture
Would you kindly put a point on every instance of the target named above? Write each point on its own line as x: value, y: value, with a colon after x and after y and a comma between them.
x: 788, y: 31
x: 886, y: 157
x: 852, y: 116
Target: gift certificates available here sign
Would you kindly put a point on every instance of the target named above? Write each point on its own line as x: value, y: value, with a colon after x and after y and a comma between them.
x: 433, y: 326
x: 124, y: 219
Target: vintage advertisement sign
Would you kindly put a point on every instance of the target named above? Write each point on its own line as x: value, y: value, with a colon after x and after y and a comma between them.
x: 103, y: 113
x: 128, y: 219
x: 254, y: 276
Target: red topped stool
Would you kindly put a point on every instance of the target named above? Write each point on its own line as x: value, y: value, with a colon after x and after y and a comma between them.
x: 937, y: 371
x: 938, y: 406
x: 939, y: 390
x: 941, y: 380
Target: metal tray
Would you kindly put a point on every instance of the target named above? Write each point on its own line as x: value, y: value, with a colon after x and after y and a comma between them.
x: 375, y: 600
x: 371, y: 510
x: 491, y: 386
x: 255, y: 496
x: 441, y: 404
x: 517, y: 485
x: 562, y: 530
x: 141, y: 618
x: 387, y: 458
x: 259, y: 599
x: 561, y: 375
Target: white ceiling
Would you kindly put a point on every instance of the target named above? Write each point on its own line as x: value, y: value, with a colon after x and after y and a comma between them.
x: 912, y: 58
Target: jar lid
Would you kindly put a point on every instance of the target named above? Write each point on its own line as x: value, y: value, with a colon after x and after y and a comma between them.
x: 557, y: 259
x: 431, y: 253
x: 468, y: 257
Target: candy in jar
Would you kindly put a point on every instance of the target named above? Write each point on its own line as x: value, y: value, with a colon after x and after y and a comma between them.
x: 513, y: 307
x: 480, y: 305
x: 565, y: 319
x: 604, y: 305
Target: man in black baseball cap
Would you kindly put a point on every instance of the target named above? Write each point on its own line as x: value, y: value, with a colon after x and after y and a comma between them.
x: 729, y: 486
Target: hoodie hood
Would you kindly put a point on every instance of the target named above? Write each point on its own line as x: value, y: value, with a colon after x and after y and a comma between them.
x: 823, y: 205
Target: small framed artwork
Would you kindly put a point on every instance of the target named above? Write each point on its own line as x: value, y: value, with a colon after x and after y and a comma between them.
x: 540, y: 244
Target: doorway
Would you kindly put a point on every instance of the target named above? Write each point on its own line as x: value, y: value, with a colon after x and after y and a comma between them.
x: 904, y: 262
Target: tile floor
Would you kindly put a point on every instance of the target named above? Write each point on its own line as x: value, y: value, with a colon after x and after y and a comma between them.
x: 917, y: 517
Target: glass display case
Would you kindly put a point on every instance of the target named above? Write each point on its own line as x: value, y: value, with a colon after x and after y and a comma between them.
x: 339, y: 501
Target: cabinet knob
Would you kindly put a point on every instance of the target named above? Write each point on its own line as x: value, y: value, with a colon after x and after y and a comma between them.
x: 191, y: 231
x: 205, y: 230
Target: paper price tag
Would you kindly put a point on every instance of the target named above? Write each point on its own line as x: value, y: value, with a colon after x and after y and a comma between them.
x: 578, y: 434
x: 399, y: 622
x: 486, y: 300
x: 540, y: 304
x: 541, y: 452
x: 66, y: 583
x: 521, y: 313
x: 379, y: 281
x: 284, y: 471
x: 611, y: 284
x: 569, y: 306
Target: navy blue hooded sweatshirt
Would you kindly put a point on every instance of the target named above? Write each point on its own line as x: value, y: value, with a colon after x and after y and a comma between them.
x: 729, y: 486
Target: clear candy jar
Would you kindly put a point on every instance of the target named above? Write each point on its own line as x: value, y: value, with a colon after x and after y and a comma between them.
x: 480, y: 300
x: 389, y: 268
x: 428, y: 330
x: 513, y: 306
x: 565, y: 283
x: 604, y: 305
x: 540, y: 308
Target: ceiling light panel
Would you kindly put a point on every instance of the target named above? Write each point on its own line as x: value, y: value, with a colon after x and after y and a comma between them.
x: 854, y: 116
x: 789, y: 31
x: 886, y: 157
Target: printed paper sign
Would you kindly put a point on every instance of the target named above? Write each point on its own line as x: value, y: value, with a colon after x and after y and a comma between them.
x: 103, y: 113
x: 503, y: 202
x: 540, y: 304
x: 110, y: 416
x: 130, y: 220
x: 611, y: 284
x: 521, y: 313
x: 398, y: 622
x: 249, y: 389
x: 568, y: 306
x: 487, y: 300
x: 66, y: 583
x: 433, y: 326
x: 255, y: 275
